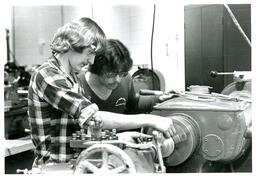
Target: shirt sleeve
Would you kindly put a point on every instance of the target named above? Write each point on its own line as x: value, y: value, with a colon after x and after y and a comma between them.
x: 55, y: 88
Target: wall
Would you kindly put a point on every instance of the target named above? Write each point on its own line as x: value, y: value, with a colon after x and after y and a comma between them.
x: 70, y: 13
x: 33, y: 31
x: 213, y: 42
x: 168, y: 51
x: 132, y: 24
x: 115, y: 23
x: 203, y: 45
x: 5, y: 24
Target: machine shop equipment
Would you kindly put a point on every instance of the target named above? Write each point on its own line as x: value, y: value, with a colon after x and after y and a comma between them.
x: 104, y: 152
x: 98, y: 151
x: 15, y: 107
x: 145, y: 78
x: 213, y: 130
x: 16, y: 80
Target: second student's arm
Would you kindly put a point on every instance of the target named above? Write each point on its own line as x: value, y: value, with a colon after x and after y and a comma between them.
x: 127, y: 122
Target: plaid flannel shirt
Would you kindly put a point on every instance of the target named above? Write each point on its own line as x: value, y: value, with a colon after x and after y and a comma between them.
x: 55, y: 102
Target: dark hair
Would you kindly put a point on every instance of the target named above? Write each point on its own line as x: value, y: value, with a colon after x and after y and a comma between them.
x: 116, y: 58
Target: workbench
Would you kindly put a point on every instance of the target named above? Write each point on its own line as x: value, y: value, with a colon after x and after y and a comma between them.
x: 16, y: 146
x: 19, y: 154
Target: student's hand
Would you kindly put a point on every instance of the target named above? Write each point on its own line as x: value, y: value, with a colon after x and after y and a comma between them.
x: 165, y: 97
x: 174, y: 91
x: 132, y: 136
x: 171, y: 94
x: 166, y: 145
x: 164, y: 125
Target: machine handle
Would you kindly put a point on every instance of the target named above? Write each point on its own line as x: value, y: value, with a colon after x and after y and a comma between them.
x: 240, y: 74
x: 25, y: 171
x: 215, y: 73
x: 162, y: 168
x: 150, y: 92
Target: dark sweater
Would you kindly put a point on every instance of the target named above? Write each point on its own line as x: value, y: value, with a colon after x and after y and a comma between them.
x: 122, y: 100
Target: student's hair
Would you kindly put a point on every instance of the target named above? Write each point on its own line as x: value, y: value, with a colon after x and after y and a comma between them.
x: 78, y: 35
x: 69, y: 36
x: 116, y: 58
x: 93, y: 34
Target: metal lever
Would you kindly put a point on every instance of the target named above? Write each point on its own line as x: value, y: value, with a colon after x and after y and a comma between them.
x: 25, y: 171
x: 237, y: 74
x: 150, y: 92
x: 215, y: 73
x: 162, y: 168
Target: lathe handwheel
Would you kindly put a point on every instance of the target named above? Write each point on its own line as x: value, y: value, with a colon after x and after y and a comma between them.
x: 84, y: 165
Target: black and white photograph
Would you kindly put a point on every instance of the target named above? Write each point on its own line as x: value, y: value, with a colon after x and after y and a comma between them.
x: 98, y: 87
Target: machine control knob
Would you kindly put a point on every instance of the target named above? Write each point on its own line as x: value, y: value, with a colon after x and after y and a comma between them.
x: 214, y: 74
